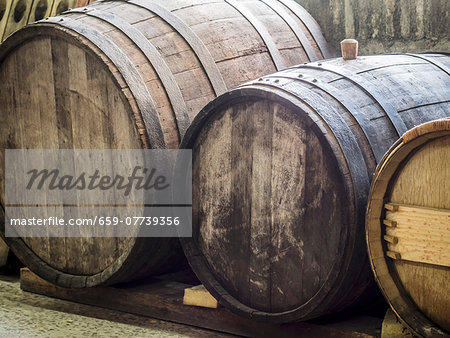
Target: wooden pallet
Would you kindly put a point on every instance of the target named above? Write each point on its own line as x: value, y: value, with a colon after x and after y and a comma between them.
x: 163, y: 299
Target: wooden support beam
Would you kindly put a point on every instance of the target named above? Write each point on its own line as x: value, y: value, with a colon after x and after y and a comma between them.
x: 162, y: 299
x: 199, y: 296
x: 391, y: 207
x: 390, y: 223
x: 391, y: 239
x: 418, y: 234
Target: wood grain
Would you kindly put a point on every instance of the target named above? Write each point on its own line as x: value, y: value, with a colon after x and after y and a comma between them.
x: 420, y: 234
x: 126, y: 75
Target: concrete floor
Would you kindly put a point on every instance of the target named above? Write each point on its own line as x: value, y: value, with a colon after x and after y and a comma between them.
x: 23, y: 314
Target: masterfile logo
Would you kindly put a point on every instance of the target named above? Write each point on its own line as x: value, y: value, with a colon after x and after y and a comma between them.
x: 98, y: 193
x: 141, y: 178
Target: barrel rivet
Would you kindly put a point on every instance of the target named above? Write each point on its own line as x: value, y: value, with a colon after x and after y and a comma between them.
x: 319, y: 64
x: 349, y: 49
x: 314, y: 80
x: 300, y: 75
x: 260, y: 79
x: 276, y: 81
x: 61, y: 20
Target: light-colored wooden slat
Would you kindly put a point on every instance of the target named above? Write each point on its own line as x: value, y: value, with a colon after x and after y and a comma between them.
x: 199, y: 296
x: 391, y: 207
x: 390, y: 223
x: 420, y: 235
x: 393, y: 255
x: 391, y: 239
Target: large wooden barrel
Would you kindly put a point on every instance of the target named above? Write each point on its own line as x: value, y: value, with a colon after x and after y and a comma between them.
x: 408, y: 228
x: 282, y: 169
x: 133, y: 74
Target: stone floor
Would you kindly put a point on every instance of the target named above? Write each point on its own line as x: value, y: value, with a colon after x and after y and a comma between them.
x: 24, y: 314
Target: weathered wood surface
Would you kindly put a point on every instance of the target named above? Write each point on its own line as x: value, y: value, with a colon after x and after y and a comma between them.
x: 199, y: 296
x: 412, y: 271
x: 126, y: 75
x: 163, y: 299
x: 283, y: 166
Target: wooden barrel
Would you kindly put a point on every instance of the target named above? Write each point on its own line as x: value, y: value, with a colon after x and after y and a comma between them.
x: 127, y: 75
x: 282, y: 168
x: 408, y: 228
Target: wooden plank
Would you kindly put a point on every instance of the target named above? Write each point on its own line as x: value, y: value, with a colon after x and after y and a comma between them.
x: 421, y: 234
x: 309, y: 50
x: 199, y: 296
x: 370, y: 89
x: 202, y: 53
x: 312, y: 26
x: 263, y: 33
x: 346, y: 102
x: 260, y: 186
x: 391, y: 207
x: 390, y: 223
x: 393, y: 255
x: 131, y: 75
x: 434, y: 127
x: 154, y: 58
x: 163, y: 300
x: 433, y: 61
x: 391, y: 239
